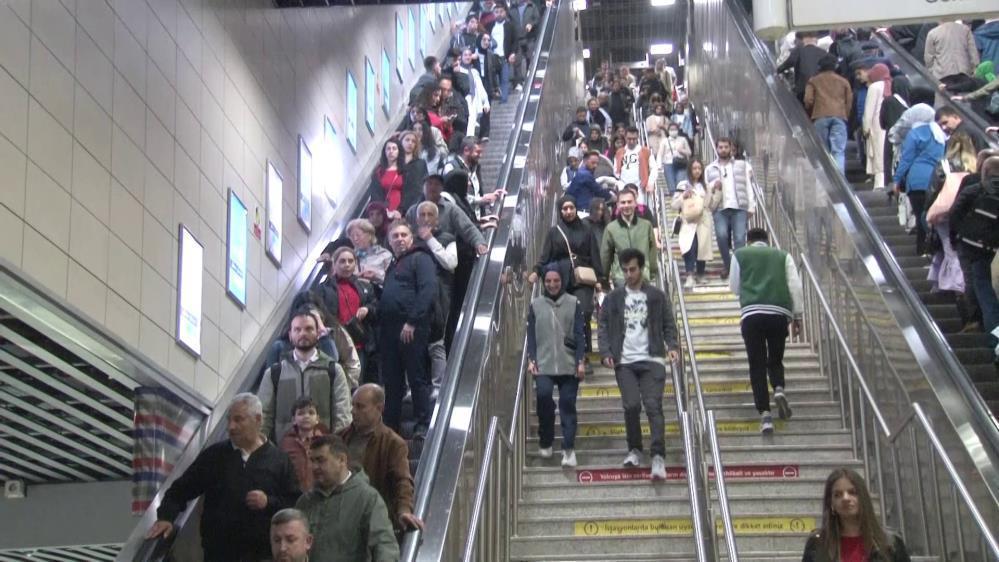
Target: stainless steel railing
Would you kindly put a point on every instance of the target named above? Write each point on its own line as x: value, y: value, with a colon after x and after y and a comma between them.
x: 702, y: 433
x: 863, y: 416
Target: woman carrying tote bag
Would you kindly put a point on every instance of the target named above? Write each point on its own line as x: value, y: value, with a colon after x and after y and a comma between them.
x: 697, y: 228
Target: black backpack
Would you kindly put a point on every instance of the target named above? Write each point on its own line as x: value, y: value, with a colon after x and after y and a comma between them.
x: 980, y: 227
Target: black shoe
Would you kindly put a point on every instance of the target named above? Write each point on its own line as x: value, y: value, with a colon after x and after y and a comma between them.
x: 420, y: 432
x: 724, y: 274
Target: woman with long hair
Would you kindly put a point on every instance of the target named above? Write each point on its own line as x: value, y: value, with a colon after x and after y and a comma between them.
x: 656, y: 125
x: 672, y: 151
x: 433, y: 147
x: 431, y: 100
x: 850, y: 529
x: 387, y: 180
x: 697, y: 228
x: 597, y: 141
x: 414, y: 170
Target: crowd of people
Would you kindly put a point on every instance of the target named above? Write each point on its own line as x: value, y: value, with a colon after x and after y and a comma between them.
x: 914, y: 144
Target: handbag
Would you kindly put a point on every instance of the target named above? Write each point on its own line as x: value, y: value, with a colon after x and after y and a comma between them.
x: 693, y: 208
x: 906, y: 219
x: 679, y: 161
x: 581, y: 275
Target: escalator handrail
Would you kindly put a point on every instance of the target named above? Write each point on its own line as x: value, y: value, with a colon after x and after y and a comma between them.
x: 929, y: 332
x: 974, y: 121
x: 435, y: 438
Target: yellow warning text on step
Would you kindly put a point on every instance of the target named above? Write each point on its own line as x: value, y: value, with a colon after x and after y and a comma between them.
x: 678, y: 527
x: 609, y: 391
x: 724, y: 427
x: 769, y: 525
x: 714, y: 321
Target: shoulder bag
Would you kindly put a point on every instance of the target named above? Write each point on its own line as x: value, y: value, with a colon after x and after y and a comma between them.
x: 581, y: 275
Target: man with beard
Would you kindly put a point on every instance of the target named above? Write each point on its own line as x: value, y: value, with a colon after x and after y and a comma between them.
x: 244, y: 480
x: 305, y: 371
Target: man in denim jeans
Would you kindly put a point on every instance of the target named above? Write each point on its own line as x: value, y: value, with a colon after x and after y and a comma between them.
x: 828, y: 98
x: 504, y: 35
x: 636, y: 334
x: 731, y: 199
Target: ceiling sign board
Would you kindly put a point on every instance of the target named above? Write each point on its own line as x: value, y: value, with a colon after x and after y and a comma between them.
x: 804, y: 14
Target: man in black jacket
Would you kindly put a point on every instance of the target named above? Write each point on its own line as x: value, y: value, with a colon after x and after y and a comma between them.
x: 245, y: 480
x: 453, y: 103
x: 405, y: 313
x: 432, y: 72
x: 805, y: 62
x: 526, y: 19
x: 636, y: 333
x: 578, y: 129
x: 504, y: 36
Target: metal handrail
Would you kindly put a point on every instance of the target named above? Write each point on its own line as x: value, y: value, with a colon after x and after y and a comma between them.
x: 492, y: 434
x: 856, y: 373
x: 712, y: 432
x: 435, y: 439
x: 704, y: 530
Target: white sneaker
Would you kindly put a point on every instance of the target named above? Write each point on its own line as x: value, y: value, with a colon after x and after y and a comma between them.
x: 783, y: 408
x: 569, y: 458
x: 689, y: 282
x: 545, y: 452
x: 658, y: 468
x: 767, y: 423
x: 633, y: 459
x: 519, y: 88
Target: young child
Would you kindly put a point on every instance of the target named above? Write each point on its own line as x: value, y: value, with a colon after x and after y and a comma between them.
x: 572, y: 165
x: 296, y: 442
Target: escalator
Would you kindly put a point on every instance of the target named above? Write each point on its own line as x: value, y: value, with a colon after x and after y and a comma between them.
x: 495, y: 167
x: 911, y: 409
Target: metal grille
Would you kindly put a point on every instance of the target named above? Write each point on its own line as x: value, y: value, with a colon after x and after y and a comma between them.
x: 79, y: 553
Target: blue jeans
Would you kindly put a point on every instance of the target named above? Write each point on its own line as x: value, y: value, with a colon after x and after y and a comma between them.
x: 730, y: 230
x: 568, y: 385
x: 504, y: 81
x: 690, y: 260
x: 981, y: 277
x: 832, y: 132
x: 674, y: 176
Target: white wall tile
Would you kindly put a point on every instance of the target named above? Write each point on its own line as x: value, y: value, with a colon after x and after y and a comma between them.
x: 94, y: 69
x: 15, y: 41
x: 50, y: 145
x: 47, y: 207
x: 159, y: 197
x: 13, y: 166
x: 130, y: 56
x: 162, y: 49
x: 86, y: 292
x: 166, y: 13
x: 129, y: 111
x: 45, y: 262
x: 206, y: 381
x: 126, y: 216
x: 97, y: 20
x: 182, y: 364
x: 156, y: 295
x: 212, y: 164
x: 122, y: 319
x: 211, y: 299
x: 187, y: 177
x: 188, y: 36
x: 88, y: 243
x: 133, y: 14
x: 159, y: 145
x: 154, y: 342
x: 91, y: 183
x: 128, y: 163
x: 13, y: 110
x: 11, y: 236
x: 92, y: 127
x: 124, y: 271
x: 51, y: 83
x: 188, y: 132
x: 184, y: 213
x: 158, y: 246
x: 161, y: 97
x: 54, y: 25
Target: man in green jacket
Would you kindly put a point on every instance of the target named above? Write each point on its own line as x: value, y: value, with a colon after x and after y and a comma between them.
x: 628, y: 231
x: 348, y: 519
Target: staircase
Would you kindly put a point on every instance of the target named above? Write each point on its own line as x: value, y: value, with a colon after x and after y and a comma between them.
x: 972, y: 349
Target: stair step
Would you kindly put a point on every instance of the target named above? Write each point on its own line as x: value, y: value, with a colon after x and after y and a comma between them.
x: 606, y: 547
x: 785, y: 442
x: 723, y: 412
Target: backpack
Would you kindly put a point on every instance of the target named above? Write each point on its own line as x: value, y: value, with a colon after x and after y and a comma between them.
x: 980, y: 227
x: 993, y: 107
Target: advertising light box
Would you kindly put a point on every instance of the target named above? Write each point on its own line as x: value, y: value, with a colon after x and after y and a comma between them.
x: 190, y: 271
x: 370, y: 97
x: 351, y: 111
x: 304, y: 185
x: 386, y: 83
x: 275, y: 184
x: 236, y: 249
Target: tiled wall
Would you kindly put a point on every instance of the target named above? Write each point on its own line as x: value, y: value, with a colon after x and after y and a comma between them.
x: 120, y: 119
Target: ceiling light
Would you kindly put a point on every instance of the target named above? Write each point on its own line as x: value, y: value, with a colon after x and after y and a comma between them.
x: 586, y: 53
x: 659, y: 3
x: 578, y: 5
x: 661, y: 48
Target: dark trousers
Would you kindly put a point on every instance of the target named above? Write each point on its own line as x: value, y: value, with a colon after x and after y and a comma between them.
x: 462, y: 275
x: 369, y: 367
x: 402, y: 362
x: 584, y: 295
x: 918, y: 200
x: 643, y: 383
x: 690, y: 261
x: 484, y: 124
x: 568, y: 385
x: 765, y: 336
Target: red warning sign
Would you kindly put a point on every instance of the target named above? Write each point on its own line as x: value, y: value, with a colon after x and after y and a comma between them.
x: 734, y: 472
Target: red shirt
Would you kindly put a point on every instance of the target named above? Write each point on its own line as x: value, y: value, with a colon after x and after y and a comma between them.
x: 391, y: 181
x: 349, y: 301
x: 851, y: 549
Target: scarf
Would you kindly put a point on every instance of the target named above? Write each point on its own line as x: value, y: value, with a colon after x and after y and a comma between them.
x: 880, y: 73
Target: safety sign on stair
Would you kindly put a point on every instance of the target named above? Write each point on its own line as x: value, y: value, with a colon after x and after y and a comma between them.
x: 743, y: 526
x: 766, y: 525
x: 714, y: 321
x: 732, y: 472
x: 612, y: 391
x: 724, y: 426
